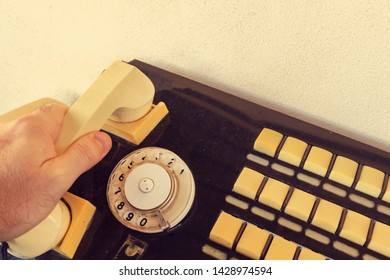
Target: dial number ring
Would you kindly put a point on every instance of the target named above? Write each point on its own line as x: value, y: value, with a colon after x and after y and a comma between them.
x: 150, y: 190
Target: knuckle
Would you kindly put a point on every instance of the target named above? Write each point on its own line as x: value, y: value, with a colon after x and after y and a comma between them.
x: 26, y: 124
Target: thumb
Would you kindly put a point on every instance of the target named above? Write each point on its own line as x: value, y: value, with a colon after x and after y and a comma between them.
x: 83, y: 154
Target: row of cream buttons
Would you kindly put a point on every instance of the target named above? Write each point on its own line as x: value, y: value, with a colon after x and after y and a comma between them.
x: 326, y: 215
x: 371, y: 180
x: 256, y: 243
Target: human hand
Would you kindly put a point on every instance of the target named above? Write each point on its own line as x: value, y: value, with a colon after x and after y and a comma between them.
x: 33, y: 177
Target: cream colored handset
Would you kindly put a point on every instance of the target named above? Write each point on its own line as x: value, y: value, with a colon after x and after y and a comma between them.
x: 123, y: 94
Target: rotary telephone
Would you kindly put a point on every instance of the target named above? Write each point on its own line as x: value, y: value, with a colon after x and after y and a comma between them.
x: 197, y: 173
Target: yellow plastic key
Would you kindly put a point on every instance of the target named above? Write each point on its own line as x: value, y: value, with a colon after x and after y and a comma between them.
x: 386, y: 196
x: 380, y: 241
x: 344, y: 171
x: 268, y: 142
x: 281, y: 249
x: 318, y: 161
x: 252, y: 241
x: 327, y: 216
x: 355, y: 227
x: 225, y: 230
x: 274, y: 193
x: 370, y: 181
x: 300, y: 204
x: 248, y: 182
x: 307, y: 254
x: 292, y: 151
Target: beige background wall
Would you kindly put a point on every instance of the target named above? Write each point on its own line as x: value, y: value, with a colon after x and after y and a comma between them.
x: 327, y: 62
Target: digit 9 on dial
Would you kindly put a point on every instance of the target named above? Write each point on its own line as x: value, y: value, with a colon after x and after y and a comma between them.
x: 150, y: 190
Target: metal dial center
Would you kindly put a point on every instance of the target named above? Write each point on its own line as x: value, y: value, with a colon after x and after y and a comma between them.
x: 146, y: 185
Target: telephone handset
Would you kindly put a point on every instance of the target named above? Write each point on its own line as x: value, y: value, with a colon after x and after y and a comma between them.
x: 150, y: 190
x: 122, y: 93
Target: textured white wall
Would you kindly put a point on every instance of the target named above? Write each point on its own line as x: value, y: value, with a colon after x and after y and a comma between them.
x: 327, y: 62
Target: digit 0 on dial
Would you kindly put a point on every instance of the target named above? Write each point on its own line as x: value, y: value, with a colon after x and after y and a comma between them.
x: 150, y: 190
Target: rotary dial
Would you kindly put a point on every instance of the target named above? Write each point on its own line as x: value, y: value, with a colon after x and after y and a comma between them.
x: 150, y: 190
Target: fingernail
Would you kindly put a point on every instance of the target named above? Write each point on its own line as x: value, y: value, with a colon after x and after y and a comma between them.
x: 104, y: 140
x: 46, y: 107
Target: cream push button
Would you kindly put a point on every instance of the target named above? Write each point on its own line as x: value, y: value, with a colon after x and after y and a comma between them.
x: 248, y: 182
x: 268, y: 142
x: 151, y: 190
x: 344, y: 171
x: 307, y: 254
x: 281, y: 249
x: 380, y: 241
x: 274, y: 193
x: 252, y: 241
x: 327, y: 216
x: 225, y: 230
x: 386, y: 196
x: 318, y: 161
x: 300, y: 204
x: 292, y: 151
x: 355, y: 227
x: 370, y: 181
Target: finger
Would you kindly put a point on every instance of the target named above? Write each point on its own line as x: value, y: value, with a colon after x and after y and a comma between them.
x: 50, y: 116
x: 79, y: 157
